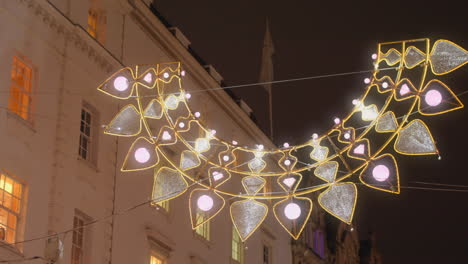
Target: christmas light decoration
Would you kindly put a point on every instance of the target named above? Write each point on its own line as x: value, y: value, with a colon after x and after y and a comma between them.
x: 165, y: 124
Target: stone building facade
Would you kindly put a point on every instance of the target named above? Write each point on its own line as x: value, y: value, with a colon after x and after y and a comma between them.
x: 59, y: 172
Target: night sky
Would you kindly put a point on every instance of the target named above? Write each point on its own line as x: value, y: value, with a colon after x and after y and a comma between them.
x: 323, y: 37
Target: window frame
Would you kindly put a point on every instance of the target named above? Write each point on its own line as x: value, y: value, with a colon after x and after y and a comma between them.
x: 19, y: 214
x: 85, y: 234
x: 159, y: 257
x: 240, y: 247
x: 270, y: 255
x: 30, y: 94
x: 203, y: 231
x: 93, y: 137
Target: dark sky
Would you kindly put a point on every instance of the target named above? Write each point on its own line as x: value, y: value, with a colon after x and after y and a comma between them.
x: 323, y: 37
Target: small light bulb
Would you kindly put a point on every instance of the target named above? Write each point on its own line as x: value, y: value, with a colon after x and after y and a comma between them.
x: 347, y: 135
x: 374, y: 56
x: 292, y: 211
x: 213, y: 132
x: 205, y: 203
x: 197, y: 114
x: 235, y: 143
x: 142, y: 155
x: 286, y: 145
x: 380, y: 173
x: 314, y: 135
x: 385, y: 85
x: 352, y: 229
x: 166, y: 75
x: 355, y: 102
x: 287, y: 162
x: 121, y: 83
x: 260, y: 147
x: 337, y: 120
x: 182, y: 73
x: 226, y: 158
x: 366, y: 80
x: 181, y: 124
x: 439, y: 158
x: 188, y: 96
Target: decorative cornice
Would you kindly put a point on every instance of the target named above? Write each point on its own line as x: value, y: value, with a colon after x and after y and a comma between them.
x: 65, y: 28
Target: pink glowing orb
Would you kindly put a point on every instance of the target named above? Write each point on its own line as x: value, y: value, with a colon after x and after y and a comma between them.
x: 205, y: 203
x: 217, y: 176
x: 359, y: 149
x: 121, y: 83
x: 433, y: 98
x: 292, y: 211
x: 142, y: 155
x: 380, y: 173
x: 404, y: 89
x: 289, y: 181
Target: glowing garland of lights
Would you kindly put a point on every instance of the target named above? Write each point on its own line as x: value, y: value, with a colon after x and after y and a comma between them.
x: 172, y: 127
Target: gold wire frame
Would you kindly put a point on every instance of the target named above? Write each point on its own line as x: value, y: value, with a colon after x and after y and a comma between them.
x: 302, y: 226
x: 353, y: 207
x: 397, y: 175
x: 170, y: 73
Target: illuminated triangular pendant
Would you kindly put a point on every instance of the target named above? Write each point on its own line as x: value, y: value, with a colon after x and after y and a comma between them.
x: 339, y: 200
x: 247, y: 216
x: 436, y: 98
x: 447, y: 56
x: 204, y: 204
x: 168, y: 184
x: 120, y: 85
x: 386, y: 123
x: 404, y: 90
x: 292, y: 213
x: 127, y: 123
x: 415, y: 139
x: 141, y: 155
x: 382, y: 174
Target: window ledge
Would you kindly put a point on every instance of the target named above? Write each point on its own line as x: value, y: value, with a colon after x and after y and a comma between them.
x: 88, y: 164
x: 26, y: 123
x: 207, y: 243
x: 11, y: 248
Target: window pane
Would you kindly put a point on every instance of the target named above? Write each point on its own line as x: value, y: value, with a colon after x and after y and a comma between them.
x: 3, y: 217
x: 8, y: 185
x: 15, y: 205
x: 17, y: 190
x: 12, y: 221
x: 7, y: 200
x: 10, y: 237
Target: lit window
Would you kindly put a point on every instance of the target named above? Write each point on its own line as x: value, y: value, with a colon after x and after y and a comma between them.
x: 86, y: 148
x: 266, y: 254
x: 96, y: 21
x: 92, y: 22
x: 10, y: 205
x: 78, y: 239
x: 203, y: 230
x: 157, y: 260
x: 237, y: 247
x: 21, y: 89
